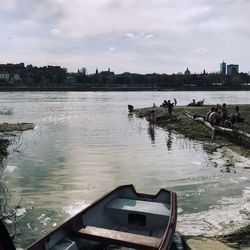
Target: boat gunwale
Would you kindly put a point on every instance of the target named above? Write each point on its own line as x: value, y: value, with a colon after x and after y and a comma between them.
x: 74, y: 223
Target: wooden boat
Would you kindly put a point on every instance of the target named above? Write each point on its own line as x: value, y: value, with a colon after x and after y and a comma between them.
x: 121, y: 218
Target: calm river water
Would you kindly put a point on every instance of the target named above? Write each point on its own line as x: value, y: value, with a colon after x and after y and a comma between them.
x: 85, y: 144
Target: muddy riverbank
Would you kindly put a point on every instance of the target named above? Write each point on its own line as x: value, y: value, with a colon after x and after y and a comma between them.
x: 16, y: 127
x: 181, y: 121
x: 9, y: 128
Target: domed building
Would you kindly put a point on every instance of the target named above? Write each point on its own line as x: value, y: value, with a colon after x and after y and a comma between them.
x: 187, y: 72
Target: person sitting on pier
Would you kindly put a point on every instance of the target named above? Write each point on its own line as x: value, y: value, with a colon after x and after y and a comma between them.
x: 225, y: 120
x: 215, y: 117
x: 200, y: 103
x: 193, y: 103
x: 224, y: 112
x: 208, y: 114
x: 130, y: 108
x: 237, y: 115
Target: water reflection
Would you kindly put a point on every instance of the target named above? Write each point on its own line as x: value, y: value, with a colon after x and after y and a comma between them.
x: 85, y: 144
x: 130, y: 116
x: 169, y: 140
x: 151, y: 132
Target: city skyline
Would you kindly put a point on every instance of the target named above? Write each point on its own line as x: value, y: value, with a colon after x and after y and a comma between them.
x: 134, y: 36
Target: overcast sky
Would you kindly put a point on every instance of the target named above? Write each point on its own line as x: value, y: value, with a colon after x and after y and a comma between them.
x: 144, y: 36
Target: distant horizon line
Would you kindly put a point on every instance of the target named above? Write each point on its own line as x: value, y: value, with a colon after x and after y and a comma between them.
x: 132, y: 72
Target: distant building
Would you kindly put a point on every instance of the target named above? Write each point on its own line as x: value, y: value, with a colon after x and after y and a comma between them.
x: 15, y: 78
x: 4, y: 76
x: 232, y: 69
x: 223, y: 68
x: 204, y: 72
x: 187, y: 72
x: 14, y: 73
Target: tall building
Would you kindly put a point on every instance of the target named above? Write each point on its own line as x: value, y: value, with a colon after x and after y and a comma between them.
x: 223, y: 68
x: 232, y: 69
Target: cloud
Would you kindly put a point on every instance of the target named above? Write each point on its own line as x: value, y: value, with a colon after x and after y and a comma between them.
x: 147, y: 35
x: 130, y: 35
x: 56, y: 32
x: 199, y: 51
x: 140, y: 35
x: 7, y: 6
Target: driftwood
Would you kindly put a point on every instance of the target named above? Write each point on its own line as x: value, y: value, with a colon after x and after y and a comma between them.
x: 201, y: 120
x: 233, y: 133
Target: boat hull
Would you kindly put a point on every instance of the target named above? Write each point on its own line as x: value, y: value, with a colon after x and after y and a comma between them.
x: 123, y: 218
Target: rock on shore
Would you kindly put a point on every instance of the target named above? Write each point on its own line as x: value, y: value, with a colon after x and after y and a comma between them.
x: 203, y: 243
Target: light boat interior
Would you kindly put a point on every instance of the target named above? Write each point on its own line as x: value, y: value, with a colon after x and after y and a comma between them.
x: 123, y: 218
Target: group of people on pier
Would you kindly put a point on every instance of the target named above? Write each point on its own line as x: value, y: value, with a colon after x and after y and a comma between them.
x: 219, y: 116
x: 169, y: 105
x: 196, y: 104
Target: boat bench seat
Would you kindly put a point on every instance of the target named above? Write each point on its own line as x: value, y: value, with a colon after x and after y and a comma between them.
x: 139, y: 214
x: 118, y: 238
x: 145, y: 207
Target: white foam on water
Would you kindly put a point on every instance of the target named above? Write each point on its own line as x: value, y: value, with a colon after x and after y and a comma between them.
x: 44, y: 220
x: 10, y: 169
x: 41, y: 217
x: 224, y: 155
x: 196, y: 163
x: 229, y: 215
x: 8, y: 221
x: 179, y: 210
x: 20, y: 212
x: 75, y: 208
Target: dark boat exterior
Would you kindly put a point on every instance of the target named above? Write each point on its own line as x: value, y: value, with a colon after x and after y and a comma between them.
x: 121, y: 218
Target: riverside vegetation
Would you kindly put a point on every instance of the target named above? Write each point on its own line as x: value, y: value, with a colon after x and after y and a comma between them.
x: 8, y: 133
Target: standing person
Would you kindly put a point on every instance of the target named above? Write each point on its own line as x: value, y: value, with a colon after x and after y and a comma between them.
x: 224, y: 112
x: 151, y: 117
x: 164, y: 104
x: 175, y: 102
x: 170, y: 107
